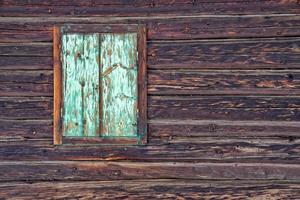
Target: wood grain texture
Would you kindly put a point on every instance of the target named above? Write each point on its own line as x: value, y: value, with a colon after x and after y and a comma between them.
x: 142, y: 84
x: 57, y: 84
x: 268, y: 150
x: 161, y: 28
x: 80, y: 85
x: 119, y: 84
x: 223, y: 82
x: 25, y: 129
x: 26, y: 63
x: 145, y: 8
x: 25, y: 49
x: 225, y: 108
x: 26, y: 83
x: 93, y: 171
x: 164, y: 128
x: 151, y: 189
x: 225, y: 54
x: 223, y: 103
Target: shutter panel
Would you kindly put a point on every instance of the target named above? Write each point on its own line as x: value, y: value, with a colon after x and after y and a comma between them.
x: 80, y: 73
x: 118, y: 60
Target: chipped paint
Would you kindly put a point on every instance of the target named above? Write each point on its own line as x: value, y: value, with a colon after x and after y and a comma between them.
x: 119, y: 84
x: 81, y: 84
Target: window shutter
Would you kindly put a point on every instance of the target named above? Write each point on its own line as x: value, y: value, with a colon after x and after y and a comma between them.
x: 100, y: 85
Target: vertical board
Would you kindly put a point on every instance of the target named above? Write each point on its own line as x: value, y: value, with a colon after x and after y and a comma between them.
x: 80, y: 73
x: 118, y: 60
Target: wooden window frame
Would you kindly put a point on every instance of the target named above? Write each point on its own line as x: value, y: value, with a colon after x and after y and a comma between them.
x: 141, y: 138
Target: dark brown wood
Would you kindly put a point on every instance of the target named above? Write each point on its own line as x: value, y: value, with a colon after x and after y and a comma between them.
x: 222, y: 105
x: 25, y: 129
x: 150, y: 189
x: 26, y: 49
x: 223, y: 82
x: 226, y: 149
x: 162, y: 28
x: 26, y: 62
x: 25, y: 108
x: 225, y: 54
x: 145, y: 8
x: 57, y: 104
x: 26, y: 83
x: 142, y: 84
x: 101, y: 171
x: 225, y: 108
x: 164, y: 128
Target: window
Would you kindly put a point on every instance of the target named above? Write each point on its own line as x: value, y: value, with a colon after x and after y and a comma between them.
x: 100, y: 94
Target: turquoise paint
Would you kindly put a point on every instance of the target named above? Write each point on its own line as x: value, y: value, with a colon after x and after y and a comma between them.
x: 118, y: 60
x: 80, y: 84
x: 82, y: 74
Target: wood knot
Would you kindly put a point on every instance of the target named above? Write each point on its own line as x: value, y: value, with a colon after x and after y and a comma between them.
x: 290, y: 77
x: 212, y: 127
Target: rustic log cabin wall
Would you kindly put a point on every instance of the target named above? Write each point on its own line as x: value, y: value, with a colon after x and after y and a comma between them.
x: 223, y: 103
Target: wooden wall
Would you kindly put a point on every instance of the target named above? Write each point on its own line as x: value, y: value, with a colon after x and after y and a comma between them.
x: 223, y: 106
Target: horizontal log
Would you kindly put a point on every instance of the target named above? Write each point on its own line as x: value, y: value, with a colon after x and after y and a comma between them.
x: 225, y: 54
x: 34, y: 29
x: 233, y: 27
x: 164, y: 149
x: 150, y: 189
x: 26, y: 49
x: 28, y: 63
x: 176, y: 108
x: 219, y: 54
x: 26, y: 108
x: 20, y: 130
x: 93, y: 171
x: 25, y: 36
x: 26, y: 83
x: 32, y: 83
x: 222, y: 128
x: 225, y: 108
x: 223, y: 82
x: 25, y: 129
x: 144, y: 8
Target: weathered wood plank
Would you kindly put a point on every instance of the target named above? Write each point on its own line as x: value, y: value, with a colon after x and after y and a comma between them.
x: 25, y: 129
x: 225, y: 54
x: 80, y: 84
x: 26, y: 49
x: 26, y: 83
x: 151, y: 189
x: 164, y: 123
x: 164, y: 128
x: 225, y: 108
x: 28, y: 63
x: 223, y: 82
x: 142, y: 8
x: 164, y: 82
x: 105, y: 171
x: 25, y: 36
x: 267, y: 150
x: 20, y: 130
x: 26, y: 108
x: 200, y: 54
x: 223, y: 27
x: 118, y: 60
x: 161, y: 28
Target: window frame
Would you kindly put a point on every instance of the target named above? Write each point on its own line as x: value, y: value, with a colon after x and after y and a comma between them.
x: 140, y: 29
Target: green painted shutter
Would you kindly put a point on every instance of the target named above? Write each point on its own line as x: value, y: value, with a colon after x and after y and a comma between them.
x: 80, y: 84
x: 119, y: 84
x: 114, y: 106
